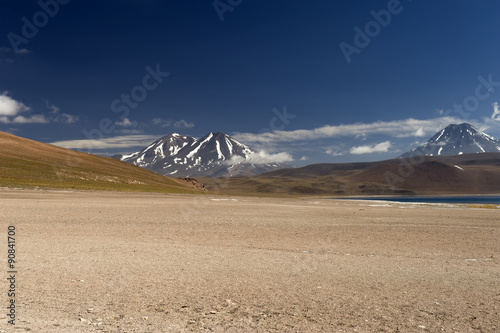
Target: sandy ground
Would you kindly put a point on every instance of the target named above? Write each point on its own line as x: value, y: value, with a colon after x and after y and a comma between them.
x: 126, y: 262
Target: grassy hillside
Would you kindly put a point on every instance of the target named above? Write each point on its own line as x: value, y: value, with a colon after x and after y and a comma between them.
x: 28, y: 163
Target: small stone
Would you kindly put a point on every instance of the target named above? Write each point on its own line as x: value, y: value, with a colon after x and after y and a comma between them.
x: 213, y: 312
x: 83, y: 320
x: 145, y: 318
x: 89, y: 310
x: 421, y: 327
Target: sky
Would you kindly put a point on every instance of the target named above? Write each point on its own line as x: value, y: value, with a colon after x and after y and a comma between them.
x: 302, y: 81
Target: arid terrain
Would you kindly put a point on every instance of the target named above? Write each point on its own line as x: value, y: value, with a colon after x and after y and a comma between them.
x: 142, y: 262
x: 429, y: 175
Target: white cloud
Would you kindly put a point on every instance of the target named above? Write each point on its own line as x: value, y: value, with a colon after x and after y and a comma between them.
x: 7, y: 54
x: 161, y: 122
x: 9, y: 106
x: 10, y: 113
x: 262, y: 157
x: 496, y: 112
x: 23, y: 51
x: 130, y: 131
x: 304, y: 158
x: 33, y: 119
x: 63, y: 117
x: 334, y: 152
x: 67, y: 118
x: 169, y: 123
x: 183, y: 124
x: 397, y: 128
x: 53, y: 109
x: 382, y: 147
x: 420, y: 132
x: 126, y: 123
x: 123, y: 141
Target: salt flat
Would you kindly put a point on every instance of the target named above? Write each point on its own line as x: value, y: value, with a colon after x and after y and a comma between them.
x: 132, y: 262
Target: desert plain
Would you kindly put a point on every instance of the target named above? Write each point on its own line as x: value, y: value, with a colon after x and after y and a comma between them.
x: 96, y: 261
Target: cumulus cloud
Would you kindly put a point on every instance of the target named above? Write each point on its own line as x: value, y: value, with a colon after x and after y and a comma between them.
x: 60, y: 117
x: 11, y: 107
x: 169, y: 123
x: 123, y: 141
x: 10, y: 112
x: 183, y: 124
x: 53, y: 109
x: 126, y: 123
x: 382, y: 147
x: 262, y: 157
x: 334, y: 152
x: 161, y: 122
x: 67, y: 118
x: 15, y: 112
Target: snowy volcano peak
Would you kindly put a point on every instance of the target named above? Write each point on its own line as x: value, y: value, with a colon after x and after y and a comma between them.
x: 219, y: 146
x: 457, y: 139
x: 216, y: 154
x: 162, y: 148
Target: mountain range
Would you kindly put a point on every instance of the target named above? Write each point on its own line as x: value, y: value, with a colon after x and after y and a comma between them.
x: 214, y: 155
x: 458, y: 159
x: 220, y: 155
x: 472, y: 169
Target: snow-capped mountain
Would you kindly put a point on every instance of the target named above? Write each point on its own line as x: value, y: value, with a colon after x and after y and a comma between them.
x: 456, y: 139
x: 214, y: 155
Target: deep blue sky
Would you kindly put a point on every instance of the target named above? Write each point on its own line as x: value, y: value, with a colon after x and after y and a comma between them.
x: 229, y: 75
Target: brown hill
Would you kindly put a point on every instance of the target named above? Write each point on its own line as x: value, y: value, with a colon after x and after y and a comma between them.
x: 463, y: 174
x: 28, y: 163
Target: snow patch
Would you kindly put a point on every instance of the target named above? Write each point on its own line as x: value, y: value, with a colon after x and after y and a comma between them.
x: 220, y: 156
x: 440, y: 135
x: 194, y: 151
